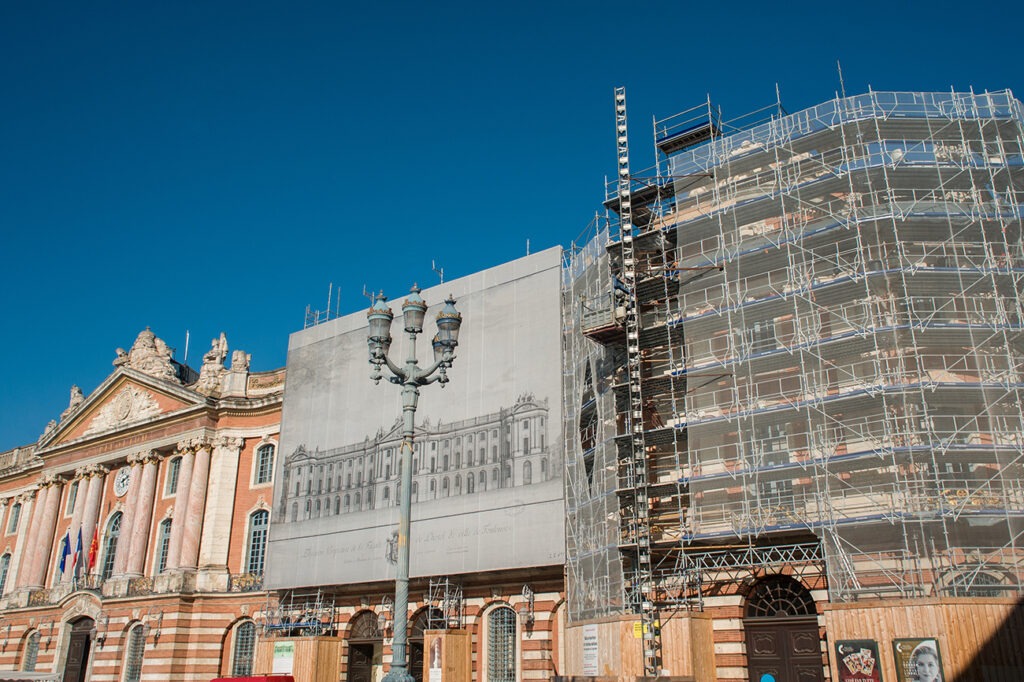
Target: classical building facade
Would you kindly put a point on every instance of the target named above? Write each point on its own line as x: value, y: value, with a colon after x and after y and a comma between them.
x: 133, y: 533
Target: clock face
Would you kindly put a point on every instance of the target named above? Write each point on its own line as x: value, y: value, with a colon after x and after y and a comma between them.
x: 121, y: 481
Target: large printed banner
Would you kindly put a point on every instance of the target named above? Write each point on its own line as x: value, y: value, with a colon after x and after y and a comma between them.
x: 487, y: 466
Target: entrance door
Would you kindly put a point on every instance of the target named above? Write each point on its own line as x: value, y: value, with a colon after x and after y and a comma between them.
x: 77, y: 662
x: 789, y: 650
x: 781, y: 626
x: 360, y: 662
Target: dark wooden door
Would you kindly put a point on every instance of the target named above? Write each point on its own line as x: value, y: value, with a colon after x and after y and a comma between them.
x: 360, y: 662
x: 416, y: 660
x: 787, y: 649
x: 78, y: 651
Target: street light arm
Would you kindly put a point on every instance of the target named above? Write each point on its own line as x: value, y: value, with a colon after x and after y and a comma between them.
x: 395, y: 369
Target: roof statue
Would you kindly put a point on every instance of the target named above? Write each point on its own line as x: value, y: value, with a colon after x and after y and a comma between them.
x: 77, y: 398
x: 212, y: 372
x: 149, y: 355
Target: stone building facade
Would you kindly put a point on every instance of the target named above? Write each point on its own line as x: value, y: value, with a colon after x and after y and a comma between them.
x: 134, y: 531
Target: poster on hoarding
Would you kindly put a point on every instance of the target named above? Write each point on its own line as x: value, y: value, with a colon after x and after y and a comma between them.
x: 487, y: 463
x: 858, y: 660
x: 590, y: 650
x: 917, y: 660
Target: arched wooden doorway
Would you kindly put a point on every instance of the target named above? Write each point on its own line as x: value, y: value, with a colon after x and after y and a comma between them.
x: 365, y: 648
x: 781, y: 626
x: 420, y: 624
x: 77, y: 662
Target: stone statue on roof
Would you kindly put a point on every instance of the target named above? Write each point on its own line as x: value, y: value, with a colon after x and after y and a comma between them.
x: 211, y: 374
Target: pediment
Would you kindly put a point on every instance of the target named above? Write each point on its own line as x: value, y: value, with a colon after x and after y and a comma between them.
x: 128, y: 397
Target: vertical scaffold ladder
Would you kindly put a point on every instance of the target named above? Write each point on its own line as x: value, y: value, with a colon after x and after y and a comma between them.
x: 636, y: 459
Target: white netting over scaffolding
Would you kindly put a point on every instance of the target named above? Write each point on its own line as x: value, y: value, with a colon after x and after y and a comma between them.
x: 831, y: 306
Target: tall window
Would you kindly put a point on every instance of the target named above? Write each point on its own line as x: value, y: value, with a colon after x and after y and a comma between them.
x: 258, y: 524
x: 173, y: 470
x: 110, y: 545
x: 501, y: 645
x: 245, y: 645
x: 134, y: 651
x: 31, y: 652
x: 12, y: 525
x: 163, y: 544
x: 72, y: 496
x: 264, y: 464
x: 5, y: 563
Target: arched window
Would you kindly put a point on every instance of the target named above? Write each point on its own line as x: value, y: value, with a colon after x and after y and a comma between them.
x: 243, y: 649
x: 163, y: 544
x: 527, y: 473
x: 337, y: 505
x: 483, y: 481
x: 309, y: 508
x: 257, y: 551
x: 12, y: 525
x: 264, y: 464
x: 318, y: 508
x: 110, y: 545
x: 483, y: 456
x: 295, y: 511
x: 358, y: 502
x: 31, y: 652
x: 5, y: 564
x: 458, y: 484
x: 173, y: 471
x: 445, y: 460
x: 348, y: 503
x: 386, y: 496
x: 501, y: 645
x: 134, y: 651
x: 445, y: 490
x: 469, y: 483
x: 780, y: 596
x: 544, y: 468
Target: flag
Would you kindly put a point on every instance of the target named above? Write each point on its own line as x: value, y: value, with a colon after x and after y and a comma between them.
x: 94, y: 549
x: 78, y: 552
x: 65, y: 552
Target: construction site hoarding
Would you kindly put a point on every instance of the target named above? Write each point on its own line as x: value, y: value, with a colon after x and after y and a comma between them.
x: 487, y: 464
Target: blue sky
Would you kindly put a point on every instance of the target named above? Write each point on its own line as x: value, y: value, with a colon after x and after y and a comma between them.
x: 214, y: 166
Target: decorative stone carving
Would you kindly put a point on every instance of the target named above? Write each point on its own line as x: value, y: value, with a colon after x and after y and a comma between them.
x: 240, y: 361
x: 211, y: 374
x: 77, y: 398
x: 51, y: 426
x: 149, y: 355
x: 129, y: 405
x: 47, y: 480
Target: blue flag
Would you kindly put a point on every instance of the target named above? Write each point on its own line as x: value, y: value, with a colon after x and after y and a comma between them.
x: 65, y: 551
x: 78, y: 551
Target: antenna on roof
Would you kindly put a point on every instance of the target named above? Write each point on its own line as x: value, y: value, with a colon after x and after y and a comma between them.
x: 368, y: 294
x: 185, y: 361
x: 842, y: 85
x: 527, y: 246
x: 439, y: 271
x: 330, y: 291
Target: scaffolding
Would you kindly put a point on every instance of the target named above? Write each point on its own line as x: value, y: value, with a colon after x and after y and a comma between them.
x: 299, y: 614
x: 825, y: 369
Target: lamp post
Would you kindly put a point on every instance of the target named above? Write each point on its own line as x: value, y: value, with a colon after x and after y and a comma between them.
x: 410, y: 377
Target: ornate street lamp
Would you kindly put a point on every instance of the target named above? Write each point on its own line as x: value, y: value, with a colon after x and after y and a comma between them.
x: 411, y: 377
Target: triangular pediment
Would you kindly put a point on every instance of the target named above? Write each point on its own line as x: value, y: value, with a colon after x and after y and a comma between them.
x: 128, y: 397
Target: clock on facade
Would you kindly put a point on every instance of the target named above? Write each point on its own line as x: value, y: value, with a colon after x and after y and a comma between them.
x: 121, y: 481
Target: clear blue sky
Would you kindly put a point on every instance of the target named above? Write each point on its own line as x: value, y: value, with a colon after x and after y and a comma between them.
x: 213, y: 166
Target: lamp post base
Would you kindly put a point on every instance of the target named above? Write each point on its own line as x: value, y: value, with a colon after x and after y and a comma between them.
x: 398, y: 675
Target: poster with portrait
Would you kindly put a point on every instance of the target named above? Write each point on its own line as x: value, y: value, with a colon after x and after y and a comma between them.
x: 917, y: 660
x: 858, y: 661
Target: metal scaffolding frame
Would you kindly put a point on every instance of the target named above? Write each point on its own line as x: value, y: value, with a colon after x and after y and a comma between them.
x: 828, y: 350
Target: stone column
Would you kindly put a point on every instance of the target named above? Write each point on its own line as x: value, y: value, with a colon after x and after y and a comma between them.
x: 187, y: 450
x: 82, y: 476
x: 220, y: 506
x: 94, y: 497
x: 44, y: 534
x: 128, y: 515
x: 143, y: 515
x: 25, y: 545
x: 193, y: 514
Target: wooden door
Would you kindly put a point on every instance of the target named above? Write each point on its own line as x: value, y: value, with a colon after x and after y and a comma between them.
x: 360, y: 662
x: 787, y: 649
x: 77, y: 663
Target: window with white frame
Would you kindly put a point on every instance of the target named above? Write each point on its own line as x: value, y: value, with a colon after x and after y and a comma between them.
x: 501, y: 645
x: 110, y: 545
x: 72, y: 496
x: 256, y: 553
x: 134, y: 651
x: 264, y: 464
x: 5, y: 564
x: 163, y: 545
x: 243, y: 649
x: 12, y: 524
x: 31, y: 652
x: 173, y: 471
